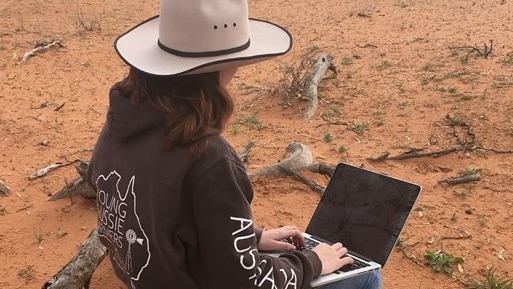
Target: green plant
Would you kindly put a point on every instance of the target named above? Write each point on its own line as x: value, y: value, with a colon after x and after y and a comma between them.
x: 491, y: 281
x: 327, y: 137
x: 3, y: 210
x: 383, y: 65
x: 481, y: 218
x: 346, y: 61
x: 330, y: 112
x: 380, y: 122
x: 428, y: 67
x: 454, y: 218
x: 403, y: 4
x: 508, y: 60
x: 26, y: 273
x: 358, y: 127
x: 234, y: 129
x: 470, y: 171
x: 342, y: 149
x: 463, y: 194
x: 87, y: 24
x: 441, y: 261
x: 252, y: 122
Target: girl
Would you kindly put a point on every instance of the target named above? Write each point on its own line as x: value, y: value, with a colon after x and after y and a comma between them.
x: 173, y: 196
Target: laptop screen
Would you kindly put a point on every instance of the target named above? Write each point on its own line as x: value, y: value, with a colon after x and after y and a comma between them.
x: 363, y: 210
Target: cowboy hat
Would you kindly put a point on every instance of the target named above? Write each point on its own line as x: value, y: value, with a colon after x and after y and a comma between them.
x: 198, y: 36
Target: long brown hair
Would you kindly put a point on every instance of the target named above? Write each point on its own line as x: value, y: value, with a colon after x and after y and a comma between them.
x: 194, y: 106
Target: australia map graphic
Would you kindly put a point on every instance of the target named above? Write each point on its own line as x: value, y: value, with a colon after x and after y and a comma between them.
x: 119, y: 224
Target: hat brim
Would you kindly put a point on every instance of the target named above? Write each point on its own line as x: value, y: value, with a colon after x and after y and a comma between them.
x: 139, y: 48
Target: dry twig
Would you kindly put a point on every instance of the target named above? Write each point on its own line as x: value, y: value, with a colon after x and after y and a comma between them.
x: 485, y: 52
x: 40, y: 48
x: 4, y: 190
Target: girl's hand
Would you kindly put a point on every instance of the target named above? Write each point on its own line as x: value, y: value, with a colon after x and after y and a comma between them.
x: 284, y: 238
x: 333, y: 257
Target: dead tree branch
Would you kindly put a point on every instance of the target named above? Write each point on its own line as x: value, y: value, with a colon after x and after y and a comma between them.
x: 485, y: 52
x: 414, y: 153
x: 77, y: 273
x: 77, y: 186
x: 243, y: 155
x: 465, y: 138
x: 40, y: 48
x: 324, y: 62
x: 299, y: 157
x: 316, y: 187
x: 461, y: 179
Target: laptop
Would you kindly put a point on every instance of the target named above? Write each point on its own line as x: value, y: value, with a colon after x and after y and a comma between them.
x: 365, y: 211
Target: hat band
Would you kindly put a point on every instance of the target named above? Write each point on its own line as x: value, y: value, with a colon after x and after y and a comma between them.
x: 205, y: 53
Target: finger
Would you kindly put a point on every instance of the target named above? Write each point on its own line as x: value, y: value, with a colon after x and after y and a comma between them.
x: 294, y: 233
x: 346, y: 260
x: 337, y: 246
x: 342, y: 252
x: 284, y: 246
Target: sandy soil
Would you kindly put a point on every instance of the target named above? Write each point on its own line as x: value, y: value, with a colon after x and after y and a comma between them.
x: 410, y: 76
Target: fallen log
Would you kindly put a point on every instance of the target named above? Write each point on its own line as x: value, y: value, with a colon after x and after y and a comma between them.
x: 77, y: 273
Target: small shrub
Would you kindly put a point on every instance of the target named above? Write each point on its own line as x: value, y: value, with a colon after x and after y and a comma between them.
x: 491, y: 281
x: 327, y: 138
x: 441, y: 261
x: 358, y: 127
x: 346, y: 61
x: 252, y: 122
x: 26, y: 273
x: 383, y: 65
x: 342, y: 149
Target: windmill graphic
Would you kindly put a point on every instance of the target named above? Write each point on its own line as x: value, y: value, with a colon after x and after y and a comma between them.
x: 131, y: 238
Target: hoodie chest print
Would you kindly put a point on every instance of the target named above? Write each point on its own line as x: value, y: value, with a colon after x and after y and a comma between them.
x: 120, y: 225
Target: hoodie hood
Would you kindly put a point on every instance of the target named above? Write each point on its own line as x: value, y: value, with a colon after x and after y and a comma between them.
x: 126, y: 119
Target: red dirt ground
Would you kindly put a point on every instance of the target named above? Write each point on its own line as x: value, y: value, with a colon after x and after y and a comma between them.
x: 403, y: 67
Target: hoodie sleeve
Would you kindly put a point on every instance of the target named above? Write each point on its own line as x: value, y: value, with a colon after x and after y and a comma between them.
x: 228, y: 240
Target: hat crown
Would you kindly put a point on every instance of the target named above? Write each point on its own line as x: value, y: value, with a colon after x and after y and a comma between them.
x: 203, y: 27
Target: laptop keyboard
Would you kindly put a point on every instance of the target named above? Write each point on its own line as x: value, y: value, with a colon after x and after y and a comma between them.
x: 357, y: 264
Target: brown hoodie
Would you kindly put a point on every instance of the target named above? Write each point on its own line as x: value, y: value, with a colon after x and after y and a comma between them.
x: 173, y: 222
